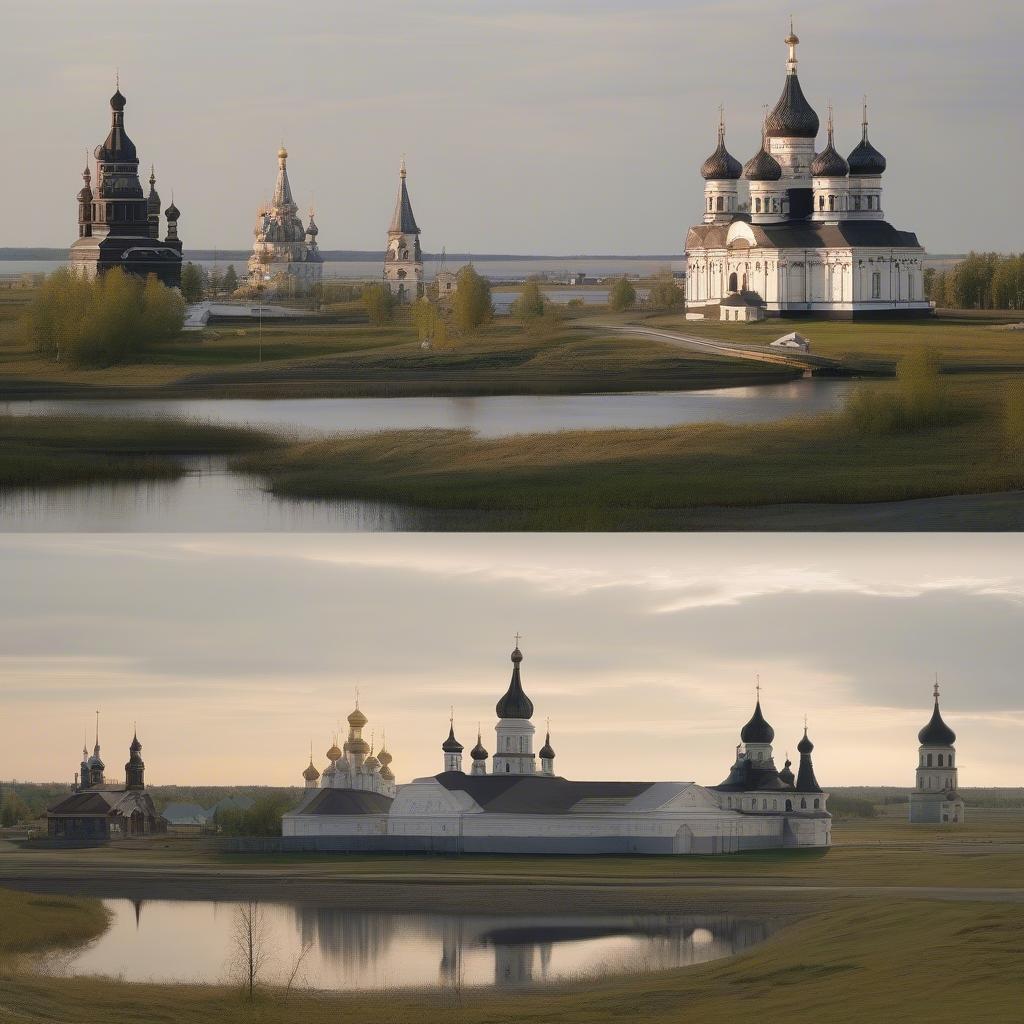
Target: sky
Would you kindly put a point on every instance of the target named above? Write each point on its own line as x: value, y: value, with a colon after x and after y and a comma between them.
x: 234, y: 653
x: 554, y: 127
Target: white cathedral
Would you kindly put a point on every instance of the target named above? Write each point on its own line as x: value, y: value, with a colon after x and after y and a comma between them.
x: 506, y: 803
x: 795, y: 232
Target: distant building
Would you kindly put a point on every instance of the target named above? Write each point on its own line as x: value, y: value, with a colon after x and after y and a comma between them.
x: 101, y: 810
x: 119, y: 226
x: 447, y: 282
x: 403, y: 259
x: 935, y: 799
x: 285, y: 251
x: 512, y: 801
x: 187, y: 819
x: 804, y: 230
x: 742, y: 306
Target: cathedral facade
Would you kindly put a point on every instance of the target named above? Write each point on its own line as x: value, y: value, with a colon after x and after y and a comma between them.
x: 119, y: 224
x: 285, y: 252
x: 513, y: 801
x: 797, y: 232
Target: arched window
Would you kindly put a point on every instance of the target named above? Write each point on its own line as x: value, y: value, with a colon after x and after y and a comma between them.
x: 764, y: 805
x: 775, y: 805
x: 757, y: 205
x: 821, y: 202
x: 817, y: 803
x: 940, y: 760
x: 831, y: 202
x: 508, y: 767
x: 803, y: 803
x: 789, y: 805
x: 732, y: 282
x: 718, y: 205
x: 929, y: 760
x: 950, y: 760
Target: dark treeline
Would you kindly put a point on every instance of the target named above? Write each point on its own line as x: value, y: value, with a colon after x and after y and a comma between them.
x: 983, y: 280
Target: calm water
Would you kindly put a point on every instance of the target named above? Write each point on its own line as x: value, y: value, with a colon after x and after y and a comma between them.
x: 490, y: 416
x: 185, y: 941
x: 211, y: 498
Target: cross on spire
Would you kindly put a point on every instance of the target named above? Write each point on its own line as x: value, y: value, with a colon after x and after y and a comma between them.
x: 757, y: 686
x: 518, y: 638
x: 935, y: 691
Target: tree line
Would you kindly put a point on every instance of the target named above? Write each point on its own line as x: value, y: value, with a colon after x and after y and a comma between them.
x: 983, y: 280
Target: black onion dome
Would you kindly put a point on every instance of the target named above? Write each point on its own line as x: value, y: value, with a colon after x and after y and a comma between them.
x: 936, y: 733
x: 721, y: 165
x: 117, y: 101
x: 451, y: 745
x: 547, y: 750
x: 479, y: 752
x: 762, y: 167
x: 829, y: 164
x: 136, y: 746
x: 757, y: 730
x: 787, y: 773
x: 805, y: 746
x: 793, y: 117
x: 865, y: 160
x: 515, y: 703
x: 173, y: 213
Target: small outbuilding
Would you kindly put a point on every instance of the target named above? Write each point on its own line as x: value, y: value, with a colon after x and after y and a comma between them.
x: 744, y: 307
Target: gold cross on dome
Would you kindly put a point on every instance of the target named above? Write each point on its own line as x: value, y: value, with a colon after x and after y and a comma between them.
x: 519, y: 637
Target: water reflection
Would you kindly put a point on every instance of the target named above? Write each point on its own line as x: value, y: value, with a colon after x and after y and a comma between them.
x: 335, y: 948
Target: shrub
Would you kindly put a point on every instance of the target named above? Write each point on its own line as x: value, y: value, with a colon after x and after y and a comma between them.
x: 665, y: 294
x: 103, y: 321
x: 530, y: 303
x: 193, y: 283
x: 380, y: 303
x: 472, y: 306
x: 430, y: 325
x: 262, y: 819
x: 622, y: 295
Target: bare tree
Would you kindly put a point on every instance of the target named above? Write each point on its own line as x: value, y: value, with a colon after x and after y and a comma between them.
x: 251, y: 944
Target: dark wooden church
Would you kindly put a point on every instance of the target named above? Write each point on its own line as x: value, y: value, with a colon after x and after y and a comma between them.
x: 118, y: 225
x: 101, y: 810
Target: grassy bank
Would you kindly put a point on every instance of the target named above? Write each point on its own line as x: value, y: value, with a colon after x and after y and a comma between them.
x: 855, y: 961
x: 45, y: 451
x: 610, y: 479
x: 29, y: 922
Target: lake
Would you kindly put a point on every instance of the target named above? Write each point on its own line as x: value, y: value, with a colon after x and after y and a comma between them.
x: 195, y: 941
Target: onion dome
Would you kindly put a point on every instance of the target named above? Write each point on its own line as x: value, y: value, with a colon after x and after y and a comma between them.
x: 762, y: 166
x: 312, y: 230
x: 371, y: 764
x: 386, y: 773
x: 936, y: 733
x: 547, y: 751
x: 793, y: 117
x: 515, y: 703
x: 282, y: 153
x: 805, y: 746
x: 358, y: 746
x: 452, y: 745
x: 333, y: 753
x: 117, y: 101
x: 757, y: 730
x: 172, y: 213
x: 311, y: 774
x: 153, y: 199
x: 85, y: 194
x: 384, y: 756
x: 787, y: 772
x: 865, y: 160
x: 828, y: 163
x: 135, y: 746
x: 479, y: 752
x: 357, y: 719
x: 721, y: 165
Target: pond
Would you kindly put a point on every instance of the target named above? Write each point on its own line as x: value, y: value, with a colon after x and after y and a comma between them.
x: 329, y: 947
x: 489, y: 416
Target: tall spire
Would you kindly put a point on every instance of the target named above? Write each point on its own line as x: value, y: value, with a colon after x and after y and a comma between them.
x: 864, y: 119
x: 403, y: 221
x: 96, y: 749
x: 791, y: 41
x: 283, y: 188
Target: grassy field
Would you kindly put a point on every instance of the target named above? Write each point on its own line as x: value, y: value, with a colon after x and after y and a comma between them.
x: 634, y: 479
x: 323, y: 360
x: 42, y: 451
x: 963, y: 343
x: 845, y: 954
x: 32, y: 922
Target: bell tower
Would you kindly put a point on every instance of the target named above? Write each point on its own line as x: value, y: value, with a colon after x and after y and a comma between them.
x: 403, y: 260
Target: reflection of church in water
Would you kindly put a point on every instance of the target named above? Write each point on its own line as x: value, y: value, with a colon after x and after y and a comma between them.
x: 507, y: 803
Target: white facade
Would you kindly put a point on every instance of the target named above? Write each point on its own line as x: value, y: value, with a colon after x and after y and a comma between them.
x: 804, y: 231
x: 935, y: 798
x: 517, y: 809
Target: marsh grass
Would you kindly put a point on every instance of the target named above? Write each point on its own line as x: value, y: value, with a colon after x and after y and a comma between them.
x: 41, y: 451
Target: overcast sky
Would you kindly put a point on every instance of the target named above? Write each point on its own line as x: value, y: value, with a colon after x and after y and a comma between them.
x: 554, y: 126
x: 234, y: 652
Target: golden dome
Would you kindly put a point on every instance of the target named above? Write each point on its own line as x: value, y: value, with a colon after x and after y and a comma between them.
x: 311, y: 774
x: 282, y: 153
x: 334, y: 753
x: 357, y: 719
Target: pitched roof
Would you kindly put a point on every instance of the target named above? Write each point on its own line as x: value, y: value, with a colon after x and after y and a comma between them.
x: 403, y: 221
x: 799, y: 234
x: 538, y: 794
x: 346, y: 801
